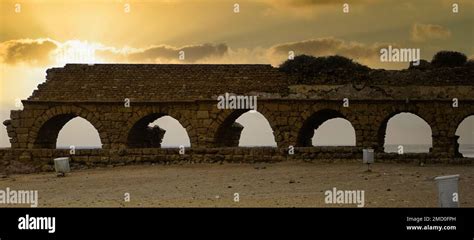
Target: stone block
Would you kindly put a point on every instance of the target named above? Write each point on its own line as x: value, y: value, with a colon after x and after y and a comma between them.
x: 202, y: 114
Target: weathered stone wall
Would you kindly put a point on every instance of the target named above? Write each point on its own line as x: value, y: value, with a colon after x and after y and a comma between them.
x: 381, y: 92
x: 188, y: 93
x: 36, y: 160
x: 442, y: 76
x: 156, y: 82
x: 293, y: 121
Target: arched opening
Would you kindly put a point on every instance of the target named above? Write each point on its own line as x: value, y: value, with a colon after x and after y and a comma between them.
x: 245, y: 128
x: 4, y: 139
x: 78, y: 133
x: 334, y: 132
x: 322, y: 129
x: 465, y: 132
x: 406, y: 133
x: 158, y: 130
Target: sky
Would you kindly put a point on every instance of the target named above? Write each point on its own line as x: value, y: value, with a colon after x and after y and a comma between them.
x: 39, y: 34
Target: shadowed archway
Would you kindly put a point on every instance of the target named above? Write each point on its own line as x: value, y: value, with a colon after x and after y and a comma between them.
x: 245, y: 128
x: 80, y: 134
x: 146, y: 132
x: 307, y: 131
x: 48, y: 133
x: 335, y: 132
x: 46, y: 129
x: 406, y: 132
x: 464, y: 138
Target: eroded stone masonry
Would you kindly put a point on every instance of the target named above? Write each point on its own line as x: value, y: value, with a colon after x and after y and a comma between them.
x: 99, y: 93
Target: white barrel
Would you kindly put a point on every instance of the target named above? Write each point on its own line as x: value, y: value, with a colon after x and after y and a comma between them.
x: 448, y: 195
x: 61, y: 165
x: 368, y: 155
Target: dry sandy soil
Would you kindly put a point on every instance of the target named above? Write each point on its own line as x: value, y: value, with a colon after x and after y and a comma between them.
x: 288, y: 184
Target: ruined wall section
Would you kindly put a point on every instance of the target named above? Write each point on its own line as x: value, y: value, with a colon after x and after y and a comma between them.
x: 188, y: 93
x: 155, y: 82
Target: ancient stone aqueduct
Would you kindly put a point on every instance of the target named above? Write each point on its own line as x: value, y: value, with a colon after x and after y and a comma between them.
x: 188, y: 93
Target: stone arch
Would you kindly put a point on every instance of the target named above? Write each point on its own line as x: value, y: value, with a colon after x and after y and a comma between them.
x: 383, y: 127
x: 227, y: 134
x: 324, y: 134
x: 312, y: 122
x: 458, y: 119
x: 45, y: 129
x: 469, y: 152
x: 136, y: 135
x: 80, y: 133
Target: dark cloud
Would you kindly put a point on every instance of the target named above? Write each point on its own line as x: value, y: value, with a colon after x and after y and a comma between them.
x: 29, y: 51
x: 43, y: 52
x: 156, y: 54
x: 329, y: 46
x: 423, y: 32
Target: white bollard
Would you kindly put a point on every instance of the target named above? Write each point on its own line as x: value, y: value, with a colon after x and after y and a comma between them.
x: 448, y: 195
x: 61, y: 165
x: 368, y: 157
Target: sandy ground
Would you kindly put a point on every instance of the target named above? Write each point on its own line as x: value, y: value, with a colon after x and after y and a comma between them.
x: 289, y: 184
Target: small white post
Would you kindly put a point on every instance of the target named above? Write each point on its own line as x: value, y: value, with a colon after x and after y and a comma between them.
x: 61, y: 165
x: 368, y: 157
x: 448, y: 195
